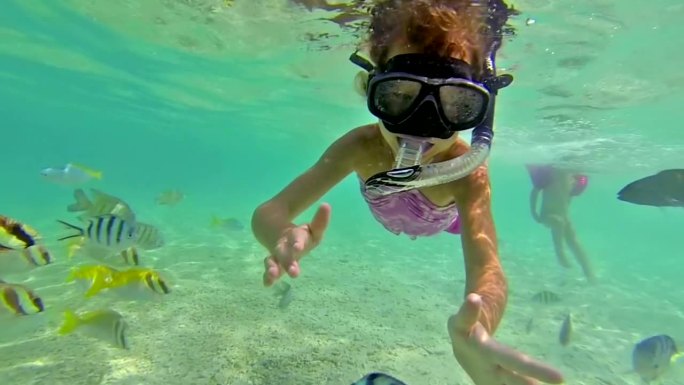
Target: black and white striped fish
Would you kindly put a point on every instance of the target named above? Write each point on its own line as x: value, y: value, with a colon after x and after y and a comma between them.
x: 378, y: 379
x: 108, y: 230
x: 148, y: 237
x: 546, y: 297
x: 653, y: 356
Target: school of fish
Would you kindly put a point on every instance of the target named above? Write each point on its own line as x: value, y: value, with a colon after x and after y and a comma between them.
x: 105, y: 231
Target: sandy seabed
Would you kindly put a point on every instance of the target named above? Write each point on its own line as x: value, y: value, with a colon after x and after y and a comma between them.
x: 358, y: 307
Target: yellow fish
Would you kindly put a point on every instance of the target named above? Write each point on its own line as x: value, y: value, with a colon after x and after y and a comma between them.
x: 71, y: 173
x: 107, y: 325
x: 136, y: 281
x: 170, y: 197
x: 20, y: 248
x: 132, y: 282
x: 15, y: 235
x: 19, y: 300
x: 95, y: 277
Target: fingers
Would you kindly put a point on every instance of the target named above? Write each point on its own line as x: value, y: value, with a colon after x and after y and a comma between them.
x: 521, y: 363
x: 320, y: 222
x: 272, y: 271
x: 467, y: 315
x: 516, y: 379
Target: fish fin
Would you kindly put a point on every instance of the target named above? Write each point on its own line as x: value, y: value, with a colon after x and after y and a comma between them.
x: 71, y: 322
x: 676, y: 357
x: 82, y: 202
x: 93, y: 173
x: 96, y: 286
x: 69, y: 225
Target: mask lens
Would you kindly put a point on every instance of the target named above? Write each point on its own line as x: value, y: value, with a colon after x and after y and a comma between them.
x: 461, y: 104
x: 395, y: 97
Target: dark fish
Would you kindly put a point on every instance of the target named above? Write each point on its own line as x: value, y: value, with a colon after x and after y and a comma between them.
x: 378, y: 379
x: 530, y: 326
x: 546, y: 297
x: 565, y: 335
x: 109, y: 231
x: 653, y: 356
x: 664, y: 189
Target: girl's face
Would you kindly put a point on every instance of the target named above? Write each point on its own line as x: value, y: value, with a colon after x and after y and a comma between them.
x: 438, y: 145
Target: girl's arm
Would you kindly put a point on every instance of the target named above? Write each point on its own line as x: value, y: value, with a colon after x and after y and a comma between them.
x: 273, y: 217
x: 484, y: 274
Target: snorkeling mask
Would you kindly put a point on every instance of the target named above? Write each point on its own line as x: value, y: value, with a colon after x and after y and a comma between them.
x: 418, y: 97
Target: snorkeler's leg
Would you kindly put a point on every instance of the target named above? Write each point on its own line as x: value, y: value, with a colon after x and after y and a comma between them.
x: 558, y: 236
x: 578, y: 251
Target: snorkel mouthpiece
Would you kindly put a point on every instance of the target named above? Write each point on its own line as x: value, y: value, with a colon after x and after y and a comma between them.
x: 407, y: 176
x: 410, y: 153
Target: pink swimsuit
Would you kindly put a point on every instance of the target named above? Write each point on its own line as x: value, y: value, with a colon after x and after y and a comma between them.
x: 410, y: 212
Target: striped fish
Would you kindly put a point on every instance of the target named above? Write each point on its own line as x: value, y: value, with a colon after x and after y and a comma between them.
x: 653, y: 356
x: 139, y: 281
x: 105, y: 230
x: 378, y: 379
x: 19, y: 300
x: 546, y: 297
x: 20, y: 247
x: 101, y: 204
x: 107, y: 325
x: 148, y: 237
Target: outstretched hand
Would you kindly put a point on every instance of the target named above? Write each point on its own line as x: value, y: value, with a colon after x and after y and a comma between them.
x: 487, y: 361
x: 295, y: 243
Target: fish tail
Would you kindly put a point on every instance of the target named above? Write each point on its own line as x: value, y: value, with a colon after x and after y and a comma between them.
x: 82, y: 202
x: 93, y: 173
x: 71, y: 322
x: 69, y: 225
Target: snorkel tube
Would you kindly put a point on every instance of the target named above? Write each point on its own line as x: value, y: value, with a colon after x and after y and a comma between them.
x: 418, y: 176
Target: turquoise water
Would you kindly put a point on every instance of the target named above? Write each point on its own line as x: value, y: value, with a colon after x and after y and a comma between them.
x: 230, y: 104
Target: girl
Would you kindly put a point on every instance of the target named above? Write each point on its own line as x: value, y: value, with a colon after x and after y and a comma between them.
x: 433, y: 76
x: 558, y: 187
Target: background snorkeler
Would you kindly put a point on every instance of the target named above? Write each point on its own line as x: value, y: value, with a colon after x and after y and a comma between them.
x: 558, y: 186
x: 433, y: 76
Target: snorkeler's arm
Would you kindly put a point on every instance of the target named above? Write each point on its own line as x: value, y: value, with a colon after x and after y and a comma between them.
x: 484, y: 274
x: 534, y: 194
x: 273, y: 217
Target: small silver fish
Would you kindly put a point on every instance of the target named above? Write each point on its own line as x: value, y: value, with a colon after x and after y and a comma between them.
x: 286, y: 295
x: 71, y: 173
x: 105, y: 230
x: 376, y: 378
x: 565, y: 335
x: 653, y: 356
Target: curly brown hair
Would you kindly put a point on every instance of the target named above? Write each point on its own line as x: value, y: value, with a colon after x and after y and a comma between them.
x: 449, y: 28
